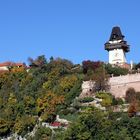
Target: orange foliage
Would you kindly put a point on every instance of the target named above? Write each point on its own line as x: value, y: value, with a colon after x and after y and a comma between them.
x: 132, y: 109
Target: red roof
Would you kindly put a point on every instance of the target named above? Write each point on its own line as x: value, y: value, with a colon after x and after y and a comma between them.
x: 55, y: 124
x: 6, y: 64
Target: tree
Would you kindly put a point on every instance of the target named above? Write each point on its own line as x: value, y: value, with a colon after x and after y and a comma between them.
x: 100, y: 78
x: 138, y: 96
x: 42, y: 133
x: 46, y: 106
x: 29, y: 104
x: 40, y: 61
x: 115, y: 70
x: 74, y: 91
x: 67, y: 82
x: 11, y: 108
x: 90, y: 65
x: 95, y: 124
x: 137, y: 66
x: 88, y: 126
x: 4, y: 127
x: 96, y: 71
x: 130, y: 95
x: 41, y: 92
x: 62, y: 65
x: 24, y: 124
x: 132, y: 109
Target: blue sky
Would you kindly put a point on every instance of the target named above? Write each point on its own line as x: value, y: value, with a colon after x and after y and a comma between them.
x: 71, y: 29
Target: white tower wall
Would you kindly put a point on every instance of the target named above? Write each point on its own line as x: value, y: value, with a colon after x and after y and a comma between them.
x: 117, y: 56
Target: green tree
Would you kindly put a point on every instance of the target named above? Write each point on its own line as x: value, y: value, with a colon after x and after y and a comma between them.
x: 24, y: 124
x: 88, y: 126
x: 40, y: 61
x: 115, y: 70
x: 42, y: 133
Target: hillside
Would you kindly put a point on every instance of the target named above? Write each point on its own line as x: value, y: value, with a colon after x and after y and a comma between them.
x: 43, y: 102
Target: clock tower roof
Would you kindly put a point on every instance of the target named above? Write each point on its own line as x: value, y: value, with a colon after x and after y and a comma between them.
x: 116, y: 34
x: 116, y: 40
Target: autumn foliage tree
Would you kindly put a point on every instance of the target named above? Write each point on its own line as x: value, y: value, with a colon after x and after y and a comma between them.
x: 46, y: 106
x: 130, y: 95
x: 24, y: 94
x: 100, y: 77
x: 95, y: 70
x: 133, y: 108
x: 90, y: 65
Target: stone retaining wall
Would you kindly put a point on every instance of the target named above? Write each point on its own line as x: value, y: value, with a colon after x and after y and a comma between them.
x: 120, y: 84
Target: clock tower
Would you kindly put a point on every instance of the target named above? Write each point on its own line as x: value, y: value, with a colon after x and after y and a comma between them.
x: 117, y: 47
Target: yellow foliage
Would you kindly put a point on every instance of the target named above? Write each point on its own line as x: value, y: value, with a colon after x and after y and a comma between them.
x: 12, y: 99
x: 54, y: 74
x: 24, y: 123
x: 4, y: 126
x: 68, y: 82
x: 47, y: 104
x: 47, y: 85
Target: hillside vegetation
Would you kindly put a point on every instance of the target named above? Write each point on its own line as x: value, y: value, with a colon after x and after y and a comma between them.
x: 52, y: 87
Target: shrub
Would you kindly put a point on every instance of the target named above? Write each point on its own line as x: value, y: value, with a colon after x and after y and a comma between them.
x: 117, y: 101
x: 130, y: 95
x: 120, y: 101
x: 76, y: 104
x: 107, y: 98
x: 116, y: 71
x: 86, y: 99
x: 138, y: 96
x: 102, y: 95
x: 42, y: 133
x: 68, y: 111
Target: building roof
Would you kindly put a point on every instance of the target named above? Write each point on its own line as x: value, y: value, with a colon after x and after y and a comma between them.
x: 116, y: 34
x: 55, y: 124
x: 6, y: 64
x: 116, y: 40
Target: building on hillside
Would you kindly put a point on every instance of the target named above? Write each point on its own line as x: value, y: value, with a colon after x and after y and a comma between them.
x: 7, y: 65
x: 117, y: 48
